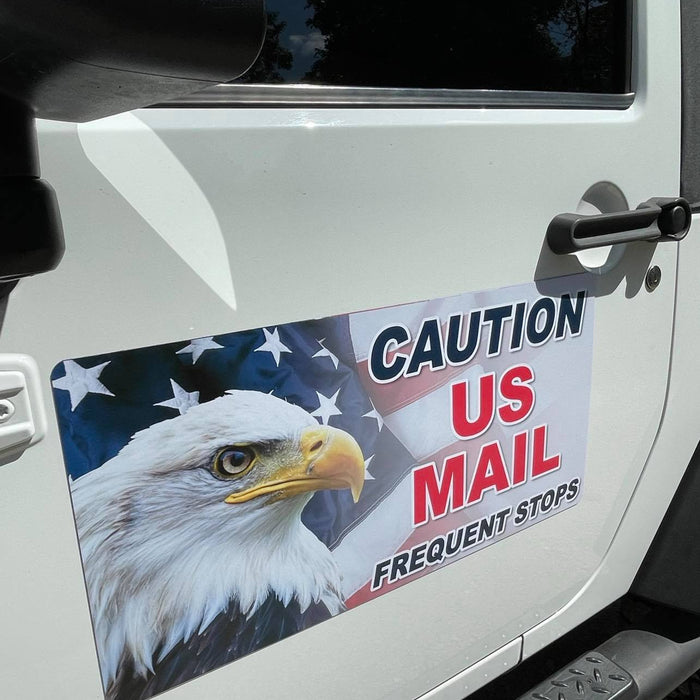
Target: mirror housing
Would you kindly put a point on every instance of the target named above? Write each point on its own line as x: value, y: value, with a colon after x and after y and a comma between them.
x: 78, y: 60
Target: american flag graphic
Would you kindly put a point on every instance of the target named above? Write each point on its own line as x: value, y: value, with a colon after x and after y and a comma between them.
x: 322, y: 366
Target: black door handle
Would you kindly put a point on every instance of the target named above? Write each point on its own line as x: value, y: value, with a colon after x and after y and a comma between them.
x: 657, y: 219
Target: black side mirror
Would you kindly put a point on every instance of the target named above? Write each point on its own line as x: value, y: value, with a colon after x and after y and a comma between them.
x: 78, y: 60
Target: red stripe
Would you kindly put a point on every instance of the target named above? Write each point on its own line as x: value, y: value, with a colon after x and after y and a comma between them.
x: 433, y: 528
x: 389, y: 398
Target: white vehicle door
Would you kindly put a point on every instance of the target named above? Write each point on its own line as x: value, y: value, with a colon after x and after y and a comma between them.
x: 504, y: 398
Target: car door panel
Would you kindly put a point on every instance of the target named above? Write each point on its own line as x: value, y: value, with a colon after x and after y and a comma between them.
x: 306, y: 213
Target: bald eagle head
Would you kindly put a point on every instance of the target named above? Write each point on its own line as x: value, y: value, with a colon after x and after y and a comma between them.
x: 204, y: 509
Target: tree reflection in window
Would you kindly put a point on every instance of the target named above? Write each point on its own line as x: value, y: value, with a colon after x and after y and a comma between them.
x: 551, y: 45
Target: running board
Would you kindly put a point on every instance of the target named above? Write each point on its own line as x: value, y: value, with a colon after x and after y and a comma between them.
x: 632, y: 665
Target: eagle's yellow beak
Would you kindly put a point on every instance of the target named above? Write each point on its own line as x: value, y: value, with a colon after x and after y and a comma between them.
x: 330, y: 459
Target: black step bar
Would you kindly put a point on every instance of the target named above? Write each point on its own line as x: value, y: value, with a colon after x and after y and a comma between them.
x: 632, y: 665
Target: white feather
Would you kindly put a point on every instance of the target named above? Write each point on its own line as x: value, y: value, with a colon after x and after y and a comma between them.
x: 164, y: 554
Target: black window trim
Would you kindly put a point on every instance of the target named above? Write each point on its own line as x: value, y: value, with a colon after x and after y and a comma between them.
x: 690, y: 122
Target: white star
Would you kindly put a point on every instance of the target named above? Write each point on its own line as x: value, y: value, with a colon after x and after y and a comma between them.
x: 182, y: 400
x: 326, y: 407
x: 325, y: 352
x: 273, y: 345
x: 81, y: 381
x: 368, y: 476
x: 375, y: 414
x: 198, y: 346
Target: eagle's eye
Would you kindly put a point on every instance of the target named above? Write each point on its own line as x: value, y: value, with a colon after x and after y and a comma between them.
x: 233, y: 461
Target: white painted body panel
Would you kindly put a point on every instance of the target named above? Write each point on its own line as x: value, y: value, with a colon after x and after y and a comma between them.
x: 308, y: 213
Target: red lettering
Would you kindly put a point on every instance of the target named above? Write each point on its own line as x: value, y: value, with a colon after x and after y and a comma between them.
x: 519, y: 395
x: 520, y: 441
x: 490, y: 472
x: 434, y: 494
x: 540, y: 463
x: 461, y: 423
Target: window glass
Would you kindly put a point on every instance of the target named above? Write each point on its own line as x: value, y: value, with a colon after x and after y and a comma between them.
x: 551, y: 45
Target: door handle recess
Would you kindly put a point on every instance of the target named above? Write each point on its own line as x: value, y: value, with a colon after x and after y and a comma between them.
x: 657, y: 219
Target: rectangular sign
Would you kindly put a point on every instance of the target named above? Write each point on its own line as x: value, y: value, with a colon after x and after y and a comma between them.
x: 232, y: 490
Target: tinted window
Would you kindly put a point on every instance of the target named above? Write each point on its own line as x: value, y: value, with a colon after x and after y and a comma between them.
x: 551, y: 45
